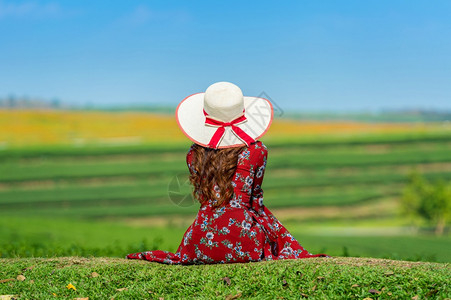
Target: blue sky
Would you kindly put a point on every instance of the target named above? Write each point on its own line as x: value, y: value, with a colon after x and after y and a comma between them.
x: 306, y: 55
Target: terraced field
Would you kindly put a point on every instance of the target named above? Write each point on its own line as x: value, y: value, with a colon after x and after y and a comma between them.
x: 128, y: 185
x: 322, y: 188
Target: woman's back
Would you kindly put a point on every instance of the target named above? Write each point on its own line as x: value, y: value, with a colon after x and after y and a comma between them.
x: 250, y: 166
x: 240, y: 230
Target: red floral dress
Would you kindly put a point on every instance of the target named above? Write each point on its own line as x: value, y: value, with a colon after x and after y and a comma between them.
x: 244, y: 230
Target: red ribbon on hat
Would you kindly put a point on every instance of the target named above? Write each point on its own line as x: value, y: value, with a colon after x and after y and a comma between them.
x: 219, y: 134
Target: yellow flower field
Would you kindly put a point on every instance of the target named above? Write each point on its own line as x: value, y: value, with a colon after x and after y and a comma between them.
x: 21, y: 128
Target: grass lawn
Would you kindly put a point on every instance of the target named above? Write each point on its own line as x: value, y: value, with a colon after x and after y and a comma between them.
x: 316, y: 278
x: 44, y: 237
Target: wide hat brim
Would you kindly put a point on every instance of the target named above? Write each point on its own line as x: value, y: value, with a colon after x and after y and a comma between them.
x: 191, y: 120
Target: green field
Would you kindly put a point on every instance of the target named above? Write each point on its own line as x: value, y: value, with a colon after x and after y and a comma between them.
x: 113, y: 200
x: 313, y: 278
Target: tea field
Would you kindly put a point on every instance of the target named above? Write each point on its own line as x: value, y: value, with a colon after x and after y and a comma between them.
x: 336, y: 190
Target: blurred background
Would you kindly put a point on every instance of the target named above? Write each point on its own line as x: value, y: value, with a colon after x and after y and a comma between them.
x: 92, y: 161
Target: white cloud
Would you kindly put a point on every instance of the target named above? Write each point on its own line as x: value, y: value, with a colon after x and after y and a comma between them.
x: 29, y: 9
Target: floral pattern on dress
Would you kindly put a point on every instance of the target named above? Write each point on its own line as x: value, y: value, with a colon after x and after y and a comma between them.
x: 243, y: 230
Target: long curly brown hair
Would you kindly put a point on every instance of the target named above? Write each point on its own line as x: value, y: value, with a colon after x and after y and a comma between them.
x: 214, y: 166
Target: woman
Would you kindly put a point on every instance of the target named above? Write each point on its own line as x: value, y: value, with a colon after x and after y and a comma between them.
x: 227, y: 164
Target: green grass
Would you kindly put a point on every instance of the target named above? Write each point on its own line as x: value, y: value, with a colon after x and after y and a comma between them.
x: 412, y: 248
x: 315, y: 278
x: 44, y: 237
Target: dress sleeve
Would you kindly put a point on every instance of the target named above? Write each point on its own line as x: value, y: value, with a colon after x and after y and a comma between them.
x: 261, y: 155
x: 189, y: 159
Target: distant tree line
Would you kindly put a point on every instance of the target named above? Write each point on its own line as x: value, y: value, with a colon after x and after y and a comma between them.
x: 25, y: 102
x: 382, y: 116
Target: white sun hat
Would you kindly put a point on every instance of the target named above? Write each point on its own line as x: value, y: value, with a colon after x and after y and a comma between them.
x: 223, y: 118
